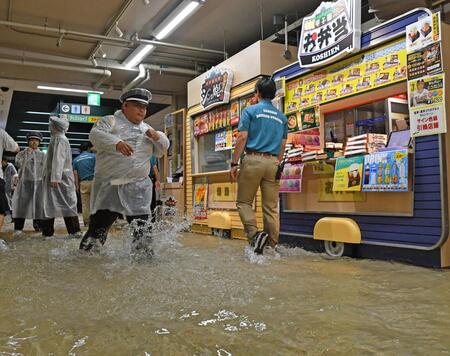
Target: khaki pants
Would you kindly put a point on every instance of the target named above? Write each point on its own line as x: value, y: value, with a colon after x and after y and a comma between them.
x: 85, y: 191
x: 259, y: 172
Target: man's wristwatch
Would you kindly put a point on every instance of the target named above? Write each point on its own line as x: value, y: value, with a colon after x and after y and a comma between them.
x: 234, y: 164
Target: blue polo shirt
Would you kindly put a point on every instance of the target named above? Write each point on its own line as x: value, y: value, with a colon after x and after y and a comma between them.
x: 266, y: 127
x: 84, y: 164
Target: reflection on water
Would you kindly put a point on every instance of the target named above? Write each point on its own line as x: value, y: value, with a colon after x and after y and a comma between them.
x: 202, y: 295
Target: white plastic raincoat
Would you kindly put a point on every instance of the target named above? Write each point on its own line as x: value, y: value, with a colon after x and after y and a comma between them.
x: 10, y: 174
x: 60, y: 201
x: 27, y: 199
x: 121, y: 183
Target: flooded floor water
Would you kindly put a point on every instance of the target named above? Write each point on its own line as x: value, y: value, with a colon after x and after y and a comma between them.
x: 202, y: 295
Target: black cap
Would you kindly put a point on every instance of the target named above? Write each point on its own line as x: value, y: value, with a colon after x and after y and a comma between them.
x: 137, y: 94
x: 34, y: 134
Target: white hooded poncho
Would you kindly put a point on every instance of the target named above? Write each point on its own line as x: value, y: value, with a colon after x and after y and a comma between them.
x: 121, y: 183
x: 27, y: 199
x: 60, y: 201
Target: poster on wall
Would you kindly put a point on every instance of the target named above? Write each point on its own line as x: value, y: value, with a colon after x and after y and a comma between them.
x: 216, y: 87
x: 386, y: 171
x: 201, y: 124
x: 425, y: 61
x: 223, y: 140
x: 372, y: 69
x: 308, y: 139
x: 333, y: 30
x: 426, y: 98
x: 310, y: 118
x: 423, y: 32
x: 348, y: 173
x: 291, y: 178
x: 234, y: 113
x: 246, y: 102
x: 293, y: 122
x: 200, y: 211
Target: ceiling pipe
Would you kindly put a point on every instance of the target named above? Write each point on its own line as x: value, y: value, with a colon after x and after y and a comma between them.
x: 104, y: 72
x: 169, y: 69
x: 146, y: 79
x: 24, y: 55
x: 138, y: 79
x: 111, y: 40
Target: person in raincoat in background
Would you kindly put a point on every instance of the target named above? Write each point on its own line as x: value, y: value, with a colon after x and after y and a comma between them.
x: 27, y: 200
x: 6, y: 144
x: 121, y: 183
x: 60, y: 197
x: 11, y: 179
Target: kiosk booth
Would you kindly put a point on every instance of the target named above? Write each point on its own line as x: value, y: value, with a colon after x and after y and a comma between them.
x: 215, y: 101
x: 344, y: 191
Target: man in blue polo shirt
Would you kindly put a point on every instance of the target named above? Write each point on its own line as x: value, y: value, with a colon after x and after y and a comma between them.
x: 83, y: 169
x: 262, y: 134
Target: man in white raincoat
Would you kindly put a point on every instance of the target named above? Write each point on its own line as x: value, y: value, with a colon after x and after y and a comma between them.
x: 121, y: 184
x: 27, y: 199
x: 60, y: 197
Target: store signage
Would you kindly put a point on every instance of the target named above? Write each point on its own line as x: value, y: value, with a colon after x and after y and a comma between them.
x: 291, y: 178
x: 93, y: 99
x: 65, y: 108
x: 200, y: 211
x: 223, y: 140
x: 216, y: 87
x: 366, y: 71
x: 425, y: 61
x: 332, y: 31
x: 425, y: 31
x: 386, y: 171
x: 427, y: 105
x: 81, y: 118
x: 348, y: 174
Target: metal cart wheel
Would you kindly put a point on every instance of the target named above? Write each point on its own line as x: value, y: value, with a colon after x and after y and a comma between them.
x: 337, y: 249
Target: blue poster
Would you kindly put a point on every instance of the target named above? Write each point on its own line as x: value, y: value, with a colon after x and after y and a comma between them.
x: 386, y: 171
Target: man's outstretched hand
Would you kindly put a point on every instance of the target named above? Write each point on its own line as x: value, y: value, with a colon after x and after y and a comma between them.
x: 124, y: 148
x: 151, y: 133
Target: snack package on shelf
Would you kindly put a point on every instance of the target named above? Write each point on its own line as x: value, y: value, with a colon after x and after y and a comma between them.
x: 363, y: 144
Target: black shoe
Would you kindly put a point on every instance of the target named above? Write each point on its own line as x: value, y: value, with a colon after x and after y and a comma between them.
x: 260, y: 240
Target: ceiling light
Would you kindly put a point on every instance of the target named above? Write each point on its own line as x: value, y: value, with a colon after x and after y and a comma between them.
x: 138, y: 55
x: 173, y: 21
x: 44, y: 87
x: 47, y: 131
x: 37, y: 113
x: 118, y: 30
x: 146, y: 2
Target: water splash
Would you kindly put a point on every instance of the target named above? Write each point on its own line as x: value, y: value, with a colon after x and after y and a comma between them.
x: 235, y: 322
x: 3, y: 245
x: 144, y: 240
x: 78, y: 344
x: 162, y: 331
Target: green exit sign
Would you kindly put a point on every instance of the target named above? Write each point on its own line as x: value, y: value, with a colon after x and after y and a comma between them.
x: 93, y: 99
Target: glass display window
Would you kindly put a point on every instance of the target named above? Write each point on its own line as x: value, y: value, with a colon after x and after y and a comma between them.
x: 379, y: 117
x: 210, y: 160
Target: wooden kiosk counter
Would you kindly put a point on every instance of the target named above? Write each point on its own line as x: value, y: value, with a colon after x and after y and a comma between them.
x: 215, y: 101
x: 357, y: 197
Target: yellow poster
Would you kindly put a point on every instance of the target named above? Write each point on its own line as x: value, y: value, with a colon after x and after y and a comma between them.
x: 365, y: 71
x: 326, y: 193
x: 348, y: 173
